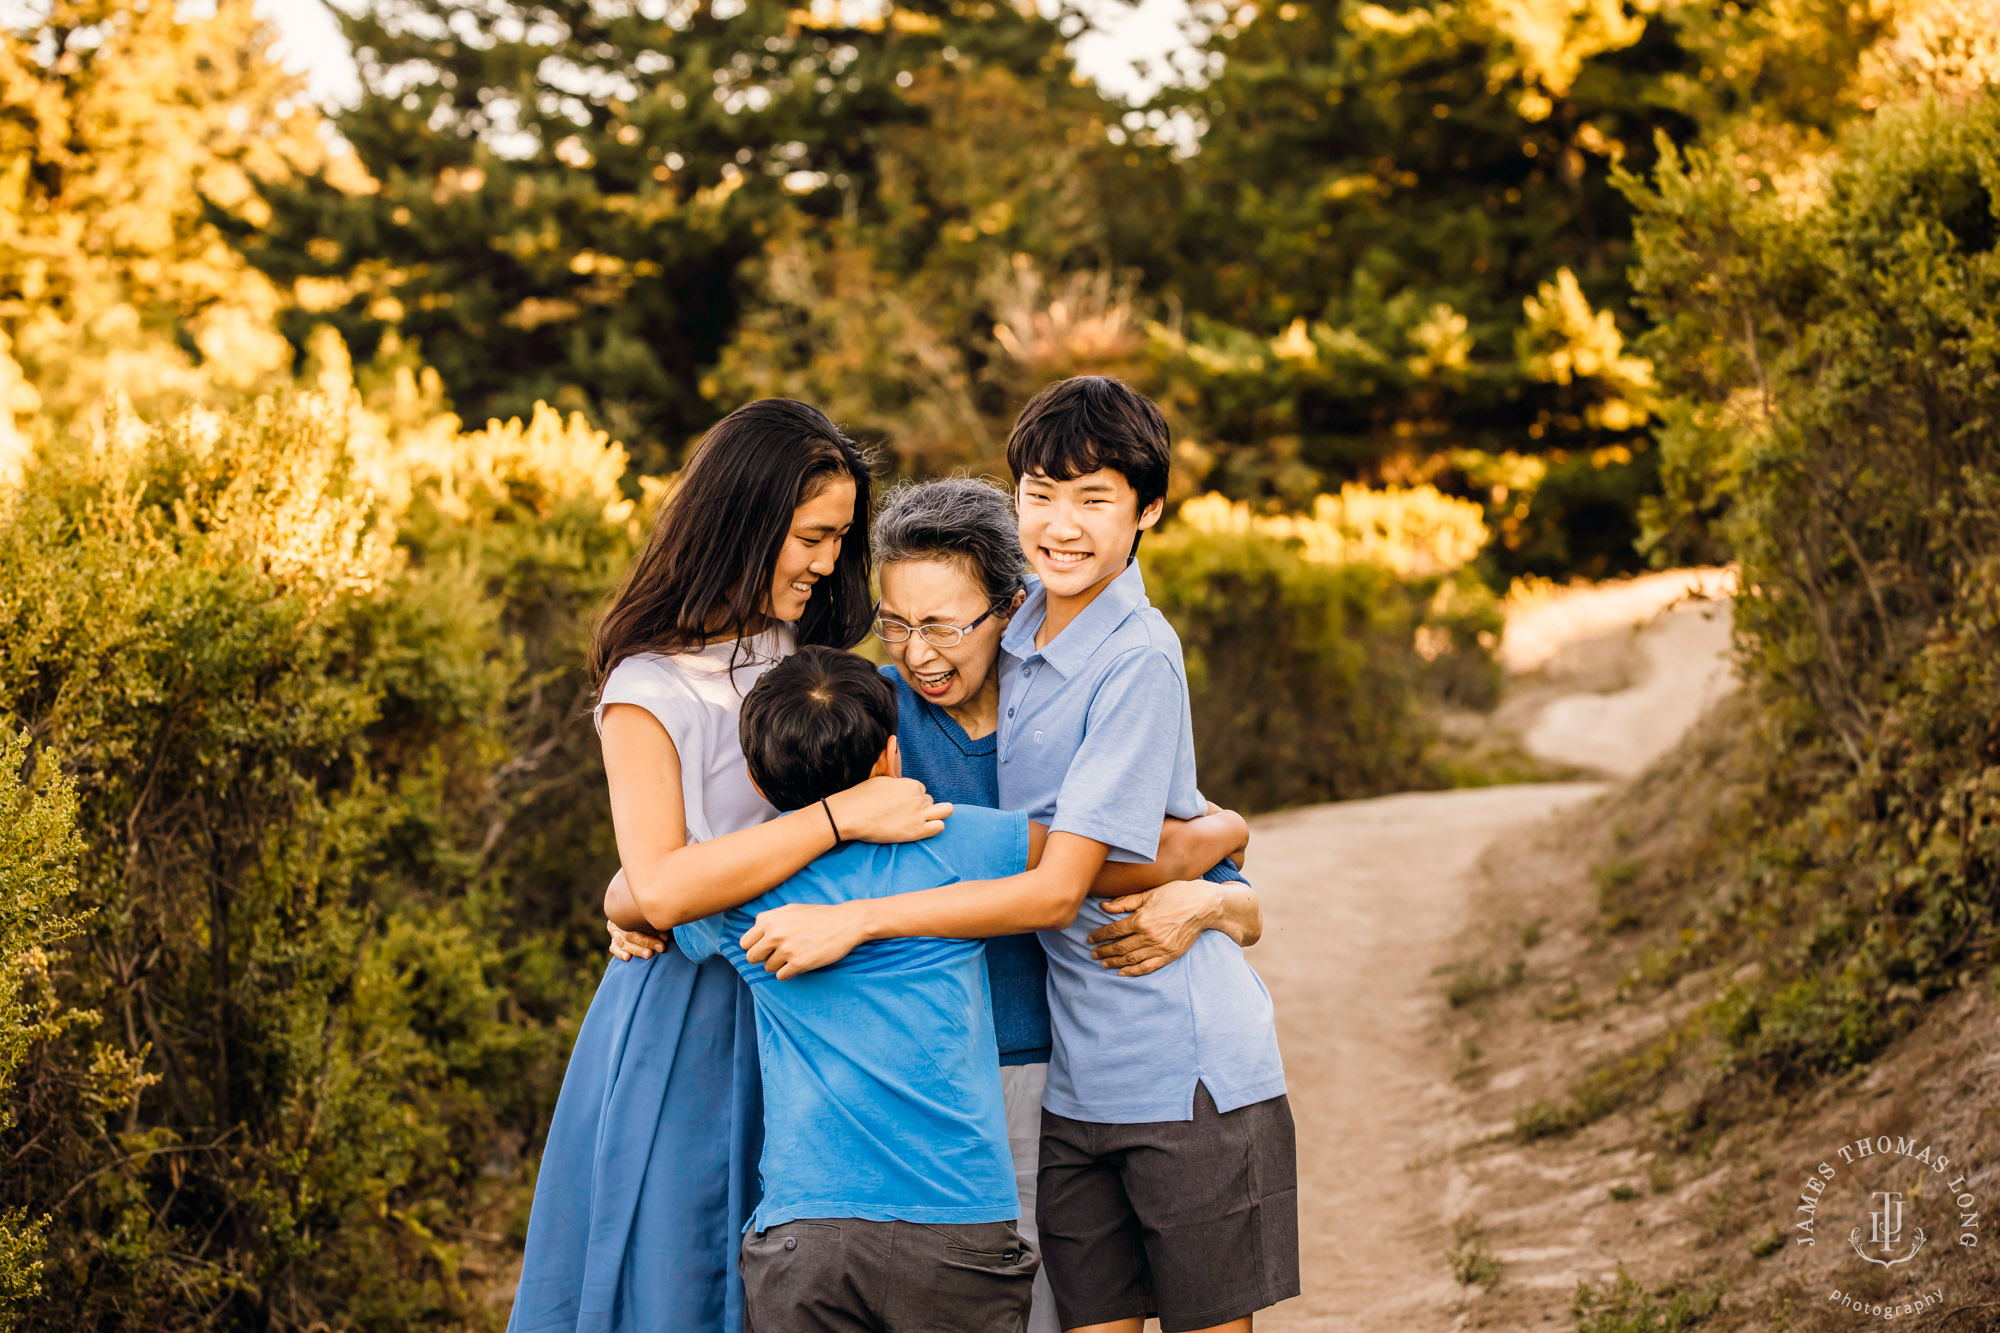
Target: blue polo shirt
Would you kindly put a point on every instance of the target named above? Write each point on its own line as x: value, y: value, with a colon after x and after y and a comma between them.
x: 953, y: 767
x: 881, y: 1098
x: 1096, y: 740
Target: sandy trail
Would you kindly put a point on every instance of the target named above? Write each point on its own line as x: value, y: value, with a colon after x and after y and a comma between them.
x: 1365, y: 901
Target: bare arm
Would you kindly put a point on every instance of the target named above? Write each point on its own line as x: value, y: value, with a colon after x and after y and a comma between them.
x: 666, y: 881
x: 800, y: 937
x: 1156, y: 927
x: 1188, y: 849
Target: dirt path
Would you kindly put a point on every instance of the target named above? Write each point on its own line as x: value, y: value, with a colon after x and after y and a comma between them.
x: 1366, y: 901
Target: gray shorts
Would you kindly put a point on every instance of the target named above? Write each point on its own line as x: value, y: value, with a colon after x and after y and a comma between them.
x: 839, y: 1275
x: 1193, y: 1221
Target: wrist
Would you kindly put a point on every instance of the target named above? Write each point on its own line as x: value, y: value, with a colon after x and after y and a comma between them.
x: 835, y: 817
x: 1215, y: 911
x: 867, y: 919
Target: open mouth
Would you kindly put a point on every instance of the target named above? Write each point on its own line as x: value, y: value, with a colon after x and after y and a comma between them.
x: 1064, y: 559
x: 804, y: 590
x: 934, y: 683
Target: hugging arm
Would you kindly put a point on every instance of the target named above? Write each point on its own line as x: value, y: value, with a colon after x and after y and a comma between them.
x: 667, y: 881
x: 1156, y: 927
x: 1163, y: 923
x: 1188, y: 848
x: 1111, y: 788
x: 1162, y: 906
x: 800, y: 937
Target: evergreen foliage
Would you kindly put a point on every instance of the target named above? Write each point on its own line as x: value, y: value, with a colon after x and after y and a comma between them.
x: 1829, y: 346
x: 39, y: 848
x: 329, y: 777
x: 559, y: 197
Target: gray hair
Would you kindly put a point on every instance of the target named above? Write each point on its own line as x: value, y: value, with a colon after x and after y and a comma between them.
x: 954, y: 518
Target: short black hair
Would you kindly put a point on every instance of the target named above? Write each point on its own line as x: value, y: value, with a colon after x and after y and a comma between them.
x: 1091, y: 422
x: 815, y: 724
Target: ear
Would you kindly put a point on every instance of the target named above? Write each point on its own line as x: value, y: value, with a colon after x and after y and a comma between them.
x: 1151, y: 514
x: 1020, y: 596
x: 890, y: 765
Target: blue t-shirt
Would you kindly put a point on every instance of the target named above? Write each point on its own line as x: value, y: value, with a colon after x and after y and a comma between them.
x: 1096, y: 740
x: 953, y: 767
x: 881, y: 1098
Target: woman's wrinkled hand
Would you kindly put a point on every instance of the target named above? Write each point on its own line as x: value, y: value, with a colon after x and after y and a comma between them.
x: 888, y: 810
x: 1155, y: 927
x: 629, y: 944
x: 800, y: 937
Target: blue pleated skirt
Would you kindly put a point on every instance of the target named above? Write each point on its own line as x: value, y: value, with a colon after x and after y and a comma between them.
x: 651, y: 1166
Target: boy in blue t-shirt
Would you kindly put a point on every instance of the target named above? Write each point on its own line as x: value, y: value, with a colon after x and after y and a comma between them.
x: 889, y: 1197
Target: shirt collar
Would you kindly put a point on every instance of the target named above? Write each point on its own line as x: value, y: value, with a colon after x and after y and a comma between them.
x: 1069, y: 650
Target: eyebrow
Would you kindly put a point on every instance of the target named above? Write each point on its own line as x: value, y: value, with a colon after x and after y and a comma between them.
x: 885, y: 610
x: 1088, y: 487
x: 826, y: 527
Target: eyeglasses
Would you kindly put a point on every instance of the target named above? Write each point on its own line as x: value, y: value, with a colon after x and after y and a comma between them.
x: 937, y: 636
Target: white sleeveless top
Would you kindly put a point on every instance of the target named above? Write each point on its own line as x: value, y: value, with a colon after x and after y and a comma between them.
x: 697, y: 698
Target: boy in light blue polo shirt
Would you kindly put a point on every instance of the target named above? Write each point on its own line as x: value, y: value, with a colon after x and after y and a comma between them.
x: 1095, y: 737
x: 889, y: 1200
x: 1168, y: 1181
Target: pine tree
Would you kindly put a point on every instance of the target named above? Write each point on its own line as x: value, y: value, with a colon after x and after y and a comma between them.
x: 1404, y: 254
x: 560, y: 196
x: 1380, y: 198
x: 985, y: 266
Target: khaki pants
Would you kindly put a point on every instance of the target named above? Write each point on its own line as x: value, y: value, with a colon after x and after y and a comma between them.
x: 1022, y: 1085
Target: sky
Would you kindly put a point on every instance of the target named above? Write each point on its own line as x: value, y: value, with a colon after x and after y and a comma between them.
x: 311, y: 44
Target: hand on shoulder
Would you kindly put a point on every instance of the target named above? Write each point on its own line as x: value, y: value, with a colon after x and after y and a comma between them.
x: 884, y: 809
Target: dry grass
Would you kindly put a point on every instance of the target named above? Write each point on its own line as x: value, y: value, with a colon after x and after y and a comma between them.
x: 1616, y: 1144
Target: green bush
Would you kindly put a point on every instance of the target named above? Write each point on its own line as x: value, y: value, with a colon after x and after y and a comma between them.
x: 1306, y: 679
x: 1626, y: 1307
x: 1831, y: 346
x: 38, y: 852
x: 339, y: 844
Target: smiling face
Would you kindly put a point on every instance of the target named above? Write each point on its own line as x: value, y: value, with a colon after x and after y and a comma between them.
x: 941, y: 592
x: 811, y: 548
x: 1078, y: 533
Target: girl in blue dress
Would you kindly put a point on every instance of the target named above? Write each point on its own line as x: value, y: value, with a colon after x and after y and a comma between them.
x: 650, y: 1166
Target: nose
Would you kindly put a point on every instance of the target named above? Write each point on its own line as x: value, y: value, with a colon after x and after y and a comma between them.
x: 825, y: 558
x: 1063, y: 524
x: 918, y: 653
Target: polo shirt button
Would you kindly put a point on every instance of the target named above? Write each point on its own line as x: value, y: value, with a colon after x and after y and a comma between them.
x: 1010, y: 712
x: 791, y: 1242
x: 1009, y: 1257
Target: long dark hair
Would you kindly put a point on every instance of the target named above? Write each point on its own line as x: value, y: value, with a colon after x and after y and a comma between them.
x: 707, y: 570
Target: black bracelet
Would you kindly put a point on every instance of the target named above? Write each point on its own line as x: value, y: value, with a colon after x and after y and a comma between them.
x: 837, y: 839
